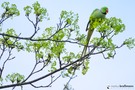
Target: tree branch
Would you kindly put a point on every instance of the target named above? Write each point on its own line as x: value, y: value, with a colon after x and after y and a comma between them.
x: 49, y: 74
x: 31, y: 39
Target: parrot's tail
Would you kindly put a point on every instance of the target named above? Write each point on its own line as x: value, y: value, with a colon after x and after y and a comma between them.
x: 90, y: 32
x: 84, y: 51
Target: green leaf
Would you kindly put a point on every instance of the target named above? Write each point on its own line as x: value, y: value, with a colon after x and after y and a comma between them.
x: 15, y: 77
x: 54, y: 64
x: 130, y: 43
x: 70, y: 70
x: 5, y: 5
x: 85, y: 67
x: 27, y: 10
x: 68, y: 21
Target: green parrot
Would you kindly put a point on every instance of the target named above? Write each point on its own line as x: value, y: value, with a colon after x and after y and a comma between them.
x: 96, y: 14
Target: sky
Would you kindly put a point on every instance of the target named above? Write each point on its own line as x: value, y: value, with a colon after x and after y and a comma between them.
x: 117, y: 71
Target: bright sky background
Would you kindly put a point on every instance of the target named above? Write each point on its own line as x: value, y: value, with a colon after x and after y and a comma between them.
x: 119, y: 70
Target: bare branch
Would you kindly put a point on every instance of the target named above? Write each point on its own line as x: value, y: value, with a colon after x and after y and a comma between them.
x: 70, y: 78
x: 34, y: 24
x: 8, y: 59
x: 49, y: 85
x: 59, y: 28
x: 3, y: 50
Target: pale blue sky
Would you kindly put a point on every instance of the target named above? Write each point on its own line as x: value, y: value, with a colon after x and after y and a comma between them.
x: 119, y: 70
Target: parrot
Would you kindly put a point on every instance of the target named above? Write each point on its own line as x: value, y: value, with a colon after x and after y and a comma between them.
x: 96, y: 14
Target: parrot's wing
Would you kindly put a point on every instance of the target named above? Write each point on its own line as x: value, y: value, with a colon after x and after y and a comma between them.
x: 87, y: 27
x: 94, y: 11
x: 92, y: 15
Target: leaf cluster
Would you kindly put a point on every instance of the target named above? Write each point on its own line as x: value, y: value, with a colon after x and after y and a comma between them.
x: 15, y: 78
x: 39, y: 11
x: 51, y: 49
x: 10, y: 10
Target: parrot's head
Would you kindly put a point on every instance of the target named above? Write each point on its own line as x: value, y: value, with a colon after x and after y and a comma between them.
x: 104, y: 10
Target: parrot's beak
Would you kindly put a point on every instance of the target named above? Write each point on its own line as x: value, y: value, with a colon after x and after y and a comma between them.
x: 106, y: 11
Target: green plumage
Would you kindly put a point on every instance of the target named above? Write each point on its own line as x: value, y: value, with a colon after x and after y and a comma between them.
x: 96, y: 14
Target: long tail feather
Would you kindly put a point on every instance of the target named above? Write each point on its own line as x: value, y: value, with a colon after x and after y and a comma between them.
x: 90, y: 32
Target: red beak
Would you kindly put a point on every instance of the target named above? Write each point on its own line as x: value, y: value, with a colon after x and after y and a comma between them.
x: 107, y: 11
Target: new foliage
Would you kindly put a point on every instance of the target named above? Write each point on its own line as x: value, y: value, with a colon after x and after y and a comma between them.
x: 50, y: 49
